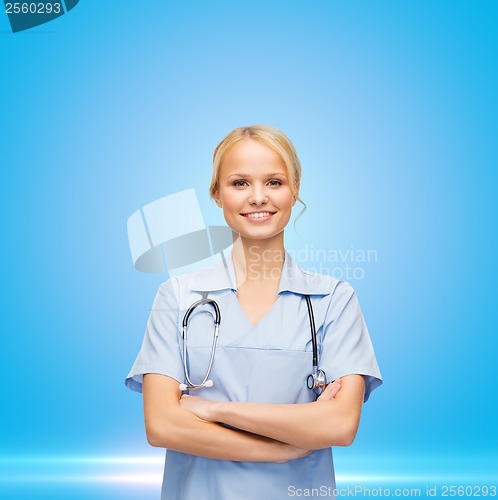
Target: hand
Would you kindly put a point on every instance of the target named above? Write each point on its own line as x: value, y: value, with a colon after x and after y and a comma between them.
x: 201, y: 407
x: 330, y: 390
x: 290, y: 452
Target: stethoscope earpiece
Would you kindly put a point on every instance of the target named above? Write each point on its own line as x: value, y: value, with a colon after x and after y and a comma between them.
x: 184, y: 387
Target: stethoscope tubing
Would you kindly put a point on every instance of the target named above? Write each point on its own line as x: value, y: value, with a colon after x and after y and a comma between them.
x: 313, y: 332
x: 217, y: 321
x: 316, y: 381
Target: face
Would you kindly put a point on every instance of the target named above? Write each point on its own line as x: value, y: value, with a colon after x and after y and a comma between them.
x: 254, y: 191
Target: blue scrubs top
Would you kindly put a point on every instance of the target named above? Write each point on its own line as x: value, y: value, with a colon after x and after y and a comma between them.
x: 264, y: 363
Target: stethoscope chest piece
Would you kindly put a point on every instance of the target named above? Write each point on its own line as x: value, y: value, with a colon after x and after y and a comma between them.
x: 317, y: 380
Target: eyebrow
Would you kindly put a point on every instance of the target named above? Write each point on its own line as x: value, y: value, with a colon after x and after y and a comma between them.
x: 249, y: 175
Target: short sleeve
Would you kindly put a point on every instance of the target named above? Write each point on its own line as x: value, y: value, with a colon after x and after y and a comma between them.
x: 346, y: 346
x: 160, y: 351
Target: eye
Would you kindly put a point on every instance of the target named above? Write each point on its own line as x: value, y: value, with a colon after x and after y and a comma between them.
x: 239, y: 183
x: 275, y: 182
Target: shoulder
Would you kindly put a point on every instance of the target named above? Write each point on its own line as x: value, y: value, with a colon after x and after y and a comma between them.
x: 334, y: 288
x: 186, y: 288
x: 343, y: 302
x: 337, y: 294
x: 330, y: 282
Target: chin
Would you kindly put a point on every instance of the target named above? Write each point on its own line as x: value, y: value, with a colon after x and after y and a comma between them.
x: 258, y: 235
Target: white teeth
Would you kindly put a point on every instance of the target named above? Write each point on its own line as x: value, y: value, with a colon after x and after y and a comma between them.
x: 259, y: 215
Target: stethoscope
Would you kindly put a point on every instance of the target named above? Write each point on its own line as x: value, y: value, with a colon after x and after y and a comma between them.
x: 316, y: 379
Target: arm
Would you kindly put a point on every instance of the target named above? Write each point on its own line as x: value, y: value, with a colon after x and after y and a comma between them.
x: 170, y: 426
x: 320, y: 424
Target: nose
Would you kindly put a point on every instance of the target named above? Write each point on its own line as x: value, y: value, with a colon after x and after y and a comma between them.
x: 258, y: 195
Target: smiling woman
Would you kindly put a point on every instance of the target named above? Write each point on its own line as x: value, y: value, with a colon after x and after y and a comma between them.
x: 253, y: 190
x: 259, y: 422
x: 250, y: 153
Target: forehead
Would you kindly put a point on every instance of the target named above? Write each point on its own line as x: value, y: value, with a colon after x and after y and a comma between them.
x: 252, y: 155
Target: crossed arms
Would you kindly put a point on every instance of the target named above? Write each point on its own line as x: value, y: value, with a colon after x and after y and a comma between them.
x: 264, y: 432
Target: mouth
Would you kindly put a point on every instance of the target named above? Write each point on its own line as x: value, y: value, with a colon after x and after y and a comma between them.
x: 258, y: 215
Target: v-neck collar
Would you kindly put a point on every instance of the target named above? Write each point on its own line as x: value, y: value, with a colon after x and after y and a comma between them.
x: 265, y: 315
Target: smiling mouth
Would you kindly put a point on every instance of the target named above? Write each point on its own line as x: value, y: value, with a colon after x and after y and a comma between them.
x: 258, y: 215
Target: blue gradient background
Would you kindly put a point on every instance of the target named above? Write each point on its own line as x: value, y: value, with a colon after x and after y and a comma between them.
x: 392, y: 106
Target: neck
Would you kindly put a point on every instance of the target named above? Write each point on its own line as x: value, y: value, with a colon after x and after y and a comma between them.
x: 258, y: 261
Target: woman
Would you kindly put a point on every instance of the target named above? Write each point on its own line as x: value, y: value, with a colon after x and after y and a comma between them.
x: 259, y: 431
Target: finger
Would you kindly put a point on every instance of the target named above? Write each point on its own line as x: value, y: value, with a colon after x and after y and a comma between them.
x: 330, y: 390
x: 326, y: 392
x: 335, y: 387
x: 184, y: 399
x: 324, y: 395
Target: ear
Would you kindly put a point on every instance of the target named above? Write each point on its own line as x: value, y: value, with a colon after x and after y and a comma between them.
x: 294, y: 202
x: 217, y: 198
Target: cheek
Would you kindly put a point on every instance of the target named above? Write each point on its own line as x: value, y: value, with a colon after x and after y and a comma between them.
x: 232, y: 201
x: 285, y: 200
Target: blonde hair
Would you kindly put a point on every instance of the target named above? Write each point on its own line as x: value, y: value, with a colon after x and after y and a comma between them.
x: 269, y: 136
